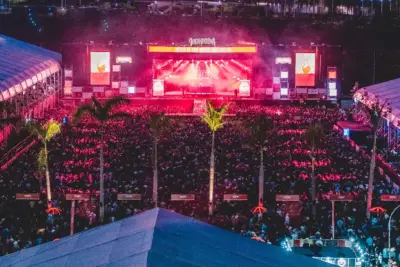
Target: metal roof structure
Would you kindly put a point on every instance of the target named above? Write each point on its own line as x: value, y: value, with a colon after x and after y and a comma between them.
x: 22, y: 65
x: 157, y: 237
x: 386, y: 92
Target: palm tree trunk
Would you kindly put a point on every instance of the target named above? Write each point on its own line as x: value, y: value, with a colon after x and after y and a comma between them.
x: 261, y: 178
x: 212, y: 173
x: 155, y: 174
x: 102, y: 175
x: 371, y: 176
x: 48, y: 186
x: 314, y: 187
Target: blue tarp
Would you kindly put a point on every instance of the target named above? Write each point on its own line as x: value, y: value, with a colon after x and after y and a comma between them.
x: 22, y: 62
x: 156, y: 238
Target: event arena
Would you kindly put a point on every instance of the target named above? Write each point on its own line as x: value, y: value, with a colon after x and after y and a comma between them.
x: 215, y: 145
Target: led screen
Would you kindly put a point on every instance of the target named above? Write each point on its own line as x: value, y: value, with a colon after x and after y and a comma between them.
x: 221, y: 77
x: 99, y: 68
x: 305, y: 69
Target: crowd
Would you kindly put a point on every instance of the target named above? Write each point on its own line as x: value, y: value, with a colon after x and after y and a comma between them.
x: 183, y: 157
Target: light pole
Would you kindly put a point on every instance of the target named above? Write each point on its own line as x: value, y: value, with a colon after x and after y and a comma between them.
x: 390, y: 225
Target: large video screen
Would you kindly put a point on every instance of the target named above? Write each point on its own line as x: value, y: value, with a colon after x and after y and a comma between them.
x: 223, y: 77
x: 100, y: 68
x: 305, y: 69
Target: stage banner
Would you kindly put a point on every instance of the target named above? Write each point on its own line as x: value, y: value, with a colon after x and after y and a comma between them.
x: 287, y: 198
x: 27, y: 196
x: 100, y: 68
x: 305, y: 69
x: 77, y: 197
x: 182, y: 197
x: 390, y: 198
x: 235, y: 197
x: 129, y: 197
x: 158, y: 87
x: 340, y: 198
x: 244, y: 88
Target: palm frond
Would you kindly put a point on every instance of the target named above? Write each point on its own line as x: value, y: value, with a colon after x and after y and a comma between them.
x: 158, y: 124
x: 115, y: 102
x: 214, y: 117
x: 38, y: 130
x: 82, y: 111
x: 96, y: 104
x: 52, y: 129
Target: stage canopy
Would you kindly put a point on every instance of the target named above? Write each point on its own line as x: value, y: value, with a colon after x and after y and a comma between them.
x: 22, y: 65
x: 387, y: 91
x: 157, y: 238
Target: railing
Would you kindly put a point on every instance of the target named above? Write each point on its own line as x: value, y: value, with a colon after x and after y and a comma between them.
x: 336, y: 243
x: 16, y: 151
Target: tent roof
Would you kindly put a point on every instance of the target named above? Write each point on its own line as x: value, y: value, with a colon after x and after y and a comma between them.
x: 23, y: 64
x: 387, y: 91
x: 157, y: 238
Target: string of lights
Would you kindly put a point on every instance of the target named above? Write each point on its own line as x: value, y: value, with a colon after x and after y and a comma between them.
x: 33, y: 21
x: 105, y: 25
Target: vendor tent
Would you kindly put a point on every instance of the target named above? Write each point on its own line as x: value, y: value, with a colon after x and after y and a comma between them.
x: 157, y: 237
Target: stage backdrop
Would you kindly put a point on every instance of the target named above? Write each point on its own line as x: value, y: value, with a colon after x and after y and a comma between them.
x: 221, y: 77
x: 99, y: 68
x: 305, y: 69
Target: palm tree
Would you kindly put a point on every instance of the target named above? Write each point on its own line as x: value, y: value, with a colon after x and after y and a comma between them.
x: 158, y: 124
x: 214, y: 119
x: 313, y: 137
x: 375, y: 113
x: 103, y: 114
x: 45, y: 133
x: 259, y: 129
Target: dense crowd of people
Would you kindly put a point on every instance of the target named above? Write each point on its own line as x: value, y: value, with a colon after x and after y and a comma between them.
x: 183, y: 157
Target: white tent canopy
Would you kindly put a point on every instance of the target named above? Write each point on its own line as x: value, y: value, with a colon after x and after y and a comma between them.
x: 388, y: 92
x: 22, y: 65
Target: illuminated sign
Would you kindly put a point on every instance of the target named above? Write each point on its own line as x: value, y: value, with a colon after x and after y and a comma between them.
x: 236, y: 197
x: 202, y: 41
x: 287, y: 198
x: 284, y: 75
x: 129, y: 197
x: 22, y: 196
x: 100, y: 68
x: 202, y: 50
x: 131, y: 89
x: 122, y: 60
x: 283, y: 60
x: 390, y: 198
x: 77, y: 197
x: 332, y: 74
x: 305, y: 69
x: 182, y: 197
